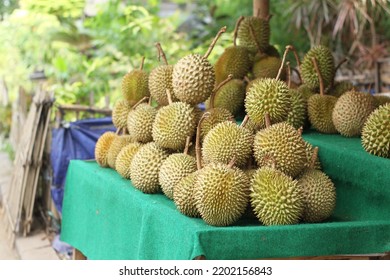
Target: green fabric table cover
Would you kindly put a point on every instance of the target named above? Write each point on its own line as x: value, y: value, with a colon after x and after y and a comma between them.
x: 105, y: 217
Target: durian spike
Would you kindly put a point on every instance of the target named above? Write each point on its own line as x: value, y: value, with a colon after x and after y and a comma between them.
x: 217, y: 88
x: 252, y: 31
x: 319, y: 75
x: 232, y: 162
x: 169, y: 96
x: 244, y: 121
x: 197, y: 141
x: 188, y: 144
x: 288, y: 48
x: 313, y: 158
x: 161, y: 53
x: 288, y: 74
x: 267, y: 120
x: 142, y: 63
x: 240, y: 19
x: 210, y: 49
x: 139, y: 102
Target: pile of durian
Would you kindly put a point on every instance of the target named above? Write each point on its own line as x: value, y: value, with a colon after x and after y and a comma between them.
x: 211, y: 165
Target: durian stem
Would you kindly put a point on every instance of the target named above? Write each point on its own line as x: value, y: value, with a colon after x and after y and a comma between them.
x: 240, y: 19
x: 267, y: 120
x: 197, y: 141
x: 188, y: 144
x: 142, y: 63
x: 139, y: 102
x: 150, y: 101
x: 210, y: 49
x: 161, y: 53
x: 124, y: 131
x: 288, y: 48
x: 288, y: 74
x: 246, y: 79
x: 169, y: 96
x: 313, y: 158
x: 232, y: 162
x: 244, y: 121
x: 252, y: 31
x: 214, y: 93
x: 319, y: 75
x: 118, y: 130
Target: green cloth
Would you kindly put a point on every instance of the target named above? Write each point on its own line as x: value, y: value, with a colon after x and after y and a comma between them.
x: 105, y: 217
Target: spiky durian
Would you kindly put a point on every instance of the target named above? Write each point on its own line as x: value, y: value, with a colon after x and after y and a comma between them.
x: 298, y: 113
x: 339, y: 88
x: 319, y: 195
x: 173, y: 169
x: 268, y: 67
x: 222, y: 194
x: 261, y: 30
x: 280, y: 145
x: 102, y: 146
x: 135, y: 85
x: 116, y: 146
x: 227, y: 140
x: 119, y: 113
x: 326, y: 65
x: 230, y: 96
x: 268, y: 96
x: 351, y: 112
x: 140, y: 122
x: 276, y: 198
x: 184, y: 195
x: 376, y: 132
x: 145, y: 167
x: 173, y: 124
x: 235, y: 61
x: 124, y: 158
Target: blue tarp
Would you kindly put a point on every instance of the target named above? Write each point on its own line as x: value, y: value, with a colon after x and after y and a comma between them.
x: 75, y: 140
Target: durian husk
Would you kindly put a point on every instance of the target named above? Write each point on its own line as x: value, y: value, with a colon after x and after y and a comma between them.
x: 102, y: 146
x: 135, y: 86
x: 319, y: 109
x: 120, y: 112
x: 116, y: 146
x: 140, y: 122
x: 184, y: 195
x: 124, y: 158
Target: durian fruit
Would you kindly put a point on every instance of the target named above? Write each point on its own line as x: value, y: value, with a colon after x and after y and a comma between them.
x: 124, y: 158
x: 119, y: 113
x: 160, y: 80
x: 184, y: 195
x: 222, y: 194
x: 276, y: 198
x: 102, y: 146
x: 268, y: 67
x: 135, y: 85
x: 258, y: 37
x: 116, y: 146
x: 173, y: 124
x: 215, y: 115
x: 376, y: 132
x: 230, y: 96
x: 234, y: 60
x: 268, y: 96
x: 326, y: 65
x: 351, y: 112
x: 174, y: 168
x: 339, y: 88
x: 140, y: 122
x: 145, y: 167
x: 306, y: 91
x: 319, y: 194
x: 280, y: 145
x: 193, y: 76
x: 226, y: 140
x: 320, y: 107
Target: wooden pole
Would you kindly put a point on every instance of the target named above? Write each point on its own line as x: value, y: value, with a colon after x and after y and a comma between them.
x: 261, y: 8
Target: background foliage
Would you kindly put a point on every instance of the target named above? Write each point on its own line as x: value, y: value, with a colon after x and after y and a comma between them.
x: 84, y: 50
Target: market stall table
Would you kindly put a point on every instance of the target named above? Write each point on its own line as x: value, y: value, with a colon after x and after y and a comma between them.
x: 105, y: 217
